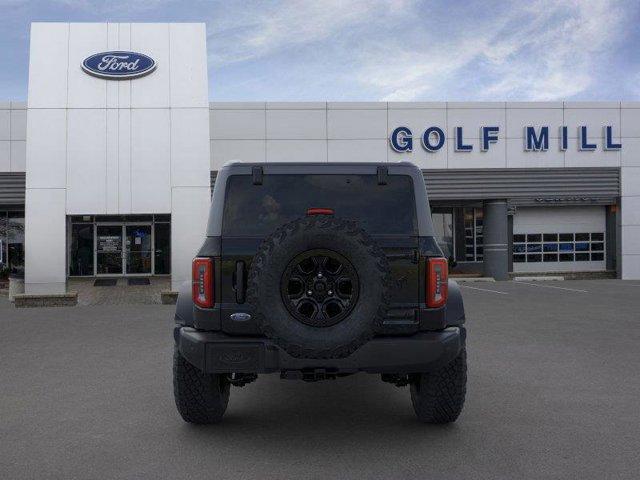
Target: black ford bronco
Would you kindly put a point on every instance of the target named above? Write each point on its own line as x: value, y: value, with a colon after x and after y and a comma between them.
x: 318, y: 271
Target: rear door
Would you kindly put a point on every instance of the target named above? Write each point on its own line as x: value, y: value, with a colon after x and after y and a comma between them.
x: 385, y: 211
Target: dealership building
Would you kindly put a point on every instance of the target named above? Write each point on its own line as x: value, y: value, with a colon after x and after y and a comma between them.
x: 107, y: 168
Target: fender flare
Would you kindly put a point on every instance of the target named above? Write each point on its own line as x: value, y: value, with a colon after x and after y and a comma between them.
x: 455, y: 306
x: 184, y: 306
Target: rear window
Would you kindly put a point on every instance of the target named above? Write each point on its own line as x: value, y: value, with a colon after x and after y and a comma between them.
x: 257, y: 210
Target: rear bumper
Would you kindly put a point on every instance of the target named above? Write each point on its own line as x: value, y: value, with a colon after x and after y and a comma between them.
x: 214, y: 352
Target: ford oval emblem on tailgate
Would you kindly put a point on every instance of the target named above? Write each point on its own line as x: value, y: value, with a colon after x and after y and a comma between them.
x: 240, y: 317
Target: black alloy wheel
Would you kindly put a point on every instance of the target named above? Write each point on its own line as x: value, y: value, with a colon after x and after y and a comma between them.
x: 319, y: 287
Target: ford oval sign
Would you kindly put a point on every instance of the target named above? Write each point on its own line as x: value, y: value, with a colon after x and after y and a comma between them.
x: 118, y: 65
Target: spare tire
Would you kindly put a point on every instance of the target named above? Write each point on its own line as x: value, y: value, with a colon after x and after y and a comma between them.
x: 318, y: 286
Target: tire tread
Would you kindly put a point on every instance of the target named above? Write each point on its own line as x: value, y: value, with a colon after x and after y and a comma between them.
x: 342, y: 227
x: 200, y: 398
x: 438, y: 397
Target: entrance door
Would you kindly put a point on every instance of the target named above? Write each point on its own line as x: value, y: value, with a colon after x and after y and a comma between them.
x: 139, y: 251
x: 109, y: 249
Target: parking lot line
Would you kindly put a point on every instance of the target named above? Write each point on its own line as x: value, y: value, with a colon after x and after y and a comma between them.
x: 484, y: 289
x: 552, y: 286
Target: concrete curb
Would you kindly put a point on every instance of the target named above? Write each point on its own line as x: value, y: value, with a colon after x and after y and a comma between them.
x: 168, y: 297
x: 23, y: 300
x: 474, y: 279
x: 538, y: 279
x: 608, y: 274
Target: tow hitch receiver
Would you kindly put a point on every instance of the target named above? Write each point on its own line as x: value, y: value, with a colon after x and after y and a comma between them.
x: 311, y: 375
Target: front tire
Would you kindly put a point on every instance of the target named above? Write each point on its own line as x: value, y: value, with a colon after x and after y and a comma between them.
x: 438, y: 397
x: 200, y: 398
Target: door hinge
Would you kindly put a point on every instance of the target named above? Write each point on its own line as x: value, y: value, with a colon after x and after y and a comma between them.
x: 257, y: 173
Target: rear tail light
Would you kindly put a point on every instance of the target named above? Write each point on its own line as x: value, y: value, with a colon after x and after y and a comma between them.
x: 202, y: 281
x: 437, y: 282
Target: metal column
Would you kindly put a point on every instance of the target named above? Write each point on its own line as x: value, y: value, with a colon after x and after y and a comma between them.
x: 495, y: 235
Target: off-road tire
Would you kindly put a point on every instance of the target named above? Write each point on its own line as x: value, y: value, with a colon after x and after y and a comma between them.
x: 200, y: 398
x: 438, y: 397
x: 344, y: 237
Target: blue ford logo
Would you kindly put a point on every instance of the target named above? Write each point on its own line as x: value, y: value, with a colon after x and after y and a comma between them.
x: 118, y: 65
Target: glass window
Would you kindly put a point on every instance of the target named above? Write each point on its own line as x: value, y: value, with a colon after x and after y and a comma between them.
x: 82, y: 219
x: 479, y: 224
x: 4, y: 266
x: 109, y: 249
x: 582, y: 246
x: 517, y: 238
x: 567, y: 250
x: 163, y: 248
x: 443, y: 226
x: 81, y: 252
x: 137, y: 218
x: 469, y: 235
x: 534, y: 258
x: 138, y: 252
x: 255, y: 210
x: 131, y: 245
x: 110, y: 218
x: 519, y: 258
x: 474, y: 226
x: 15, y: 241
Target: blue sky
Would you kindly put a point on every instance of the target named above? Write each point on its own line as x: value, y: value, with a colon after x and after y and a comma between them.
x: 363, y: 50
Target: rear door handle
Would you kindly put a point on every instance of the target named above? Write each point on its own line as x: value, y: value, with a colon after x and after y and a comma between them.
x: 240, y: 282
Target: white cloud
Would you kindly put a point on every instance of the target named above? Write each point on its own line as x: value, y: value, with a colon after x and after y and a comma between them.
x: 105, y: 7
x: 546, y: 51
x: 261, y: 29
x: 407, y: 50
x: 561, y: 57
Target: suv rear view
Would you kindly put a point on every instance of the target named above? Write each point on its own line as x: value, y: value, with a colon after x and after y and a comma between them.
x: 317, y: 271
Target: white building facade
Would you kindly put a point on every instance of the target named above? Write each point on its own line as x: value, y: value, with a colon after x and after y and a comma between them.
x: 118, y: 171
x: 99, y: 147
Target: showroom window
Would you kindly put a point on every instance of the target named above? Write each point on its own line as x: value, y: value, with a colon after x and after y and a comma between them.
x: 558, y: 247
x: 11, y: 242
x: 473, y: 239
x: 115, y: 245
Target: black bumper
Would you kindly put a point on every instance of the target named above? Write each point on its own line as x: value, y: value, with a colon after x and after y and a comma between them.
x: 214, y: 352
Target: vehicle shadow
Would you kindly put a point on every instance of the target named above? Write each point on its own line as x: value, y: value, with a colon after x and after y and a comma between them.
x: 358, y: 410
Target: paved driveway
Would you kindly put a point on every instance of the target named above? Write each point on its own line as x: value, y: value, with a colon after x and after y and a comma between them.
x: 554, y: 392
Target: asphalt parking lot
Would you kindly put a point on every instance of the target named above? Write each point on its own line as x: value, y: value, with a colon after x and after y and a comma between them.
x: 554, y: 392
